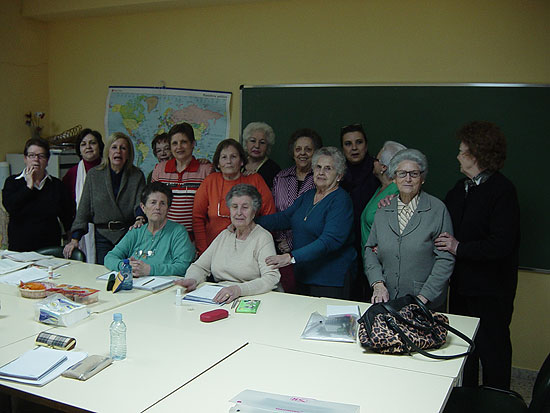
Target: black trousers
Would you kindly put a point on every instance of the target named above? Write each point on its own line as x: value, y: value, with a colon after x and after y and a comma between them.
x: 493, y: 344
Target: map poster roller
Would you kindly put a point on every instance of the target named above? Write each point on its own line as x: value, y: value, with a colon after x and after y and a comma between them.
x: 144, y: 112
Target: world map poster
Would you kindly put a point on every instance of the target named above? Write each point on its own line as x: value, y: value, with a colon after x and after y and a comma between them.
x: 144, y: 112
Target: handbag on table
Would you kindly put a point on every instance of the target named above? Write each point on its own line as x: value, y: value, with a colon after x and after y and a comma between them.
x: 404, y: 325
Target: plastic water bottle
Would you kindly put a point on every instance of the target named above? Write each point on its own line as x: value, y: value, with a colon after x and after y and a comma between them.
x: 126, y: 271
x: 118, y: 338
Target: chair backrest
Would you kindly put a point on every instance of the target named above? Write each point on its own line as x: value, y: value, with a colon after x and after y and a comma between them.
x: 57, y: 251
x: 541, y: 390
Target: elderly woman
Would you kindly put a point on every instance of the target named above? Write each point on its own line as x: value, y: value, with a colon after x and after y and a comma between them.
x: 400, y: 256
x: 110, y: 197
x: 258, y: 139
x: 36, y: 201
x: 237, y: 257
x: 484, y: 210
x: 210, y: 213
x: 387, y: 186
x: 161, y: 247
x: 321, y: 221
x: 183, y: 174
x: 161, y: 150
x: 89, y: 147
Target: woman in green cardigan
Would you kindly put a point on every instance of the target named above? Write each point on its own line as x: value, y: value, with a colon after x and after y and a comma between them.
x: 387, y: 186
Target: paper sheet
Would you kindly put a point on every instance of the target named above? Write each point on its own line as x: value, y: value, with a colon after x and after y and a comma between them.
x: 7, y: 266
x: 333, y: 310
x: 26, y: 275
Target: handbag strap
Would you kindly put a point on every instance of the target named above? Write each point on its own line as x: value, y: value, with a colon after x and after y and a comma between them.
x: 411, y: 346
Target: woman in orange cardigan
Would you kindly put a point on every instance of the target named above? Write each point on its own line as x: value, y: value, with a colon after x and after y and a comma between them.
x: 210, y: 213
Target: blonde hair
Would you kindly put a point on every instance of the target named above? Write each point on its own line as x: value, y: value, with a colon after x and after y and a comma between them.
x: 105, y: 162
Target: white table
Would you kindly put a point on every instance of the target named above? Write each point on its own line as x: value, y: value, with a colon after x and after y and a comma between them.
x: 17, y: 320
x: 280, y: 321
x: 282, y: 371
x: 160, y: 360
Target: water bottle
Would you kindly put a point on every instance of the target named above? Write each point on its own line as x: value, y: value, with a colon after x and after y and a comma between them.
x: 118, y: 338
x: 126, y: 271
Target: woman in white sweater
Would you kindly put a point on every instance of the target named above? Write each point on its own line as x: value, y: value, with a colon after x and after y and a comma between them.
x: 237, y: 257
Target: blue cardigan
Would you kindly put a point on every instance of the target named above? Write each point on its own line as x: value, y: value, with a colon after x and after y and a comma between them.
x: 323, y: 243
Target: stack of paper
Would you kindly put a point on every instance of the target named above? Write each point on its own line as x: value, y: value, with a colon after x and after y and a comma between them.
x: 205, y: 294
x: 40, y: 366
x: 252, y: 401
x: 51, y: 262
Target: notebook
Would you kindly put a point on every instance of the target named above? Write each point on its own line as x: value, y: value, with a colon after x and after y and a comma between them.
x: 152, y: 283
x: 34, y: 364
x: 205, y: 294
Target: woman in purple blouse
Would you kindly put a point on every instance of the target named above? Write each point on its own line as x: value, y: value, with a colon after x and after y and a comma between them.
x: 289, y: 184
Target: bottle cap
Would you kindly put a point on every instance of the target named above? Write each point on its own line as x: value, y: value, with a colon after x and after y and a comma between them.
x: 126, y: 261
x: 117, y: 316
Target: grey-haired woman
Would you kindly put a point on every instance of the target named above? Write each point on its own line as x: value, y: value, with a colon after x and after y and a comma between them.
x: 400, y: 256
x: 321, y: 221
x: 258, y: 139
x: 237, y: 257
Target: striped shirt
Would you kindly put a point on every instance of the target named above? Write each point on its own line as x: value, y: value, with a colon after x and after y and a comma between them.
x: 184, y: 185
x: 405, y: 212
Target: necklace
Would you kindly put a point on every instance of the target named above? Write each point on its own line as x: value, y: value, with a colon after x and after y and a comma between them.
x: 319, y: 201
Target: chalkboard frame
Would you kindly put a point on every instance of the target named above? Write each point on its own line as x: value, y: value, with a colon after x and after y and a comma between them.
x: 493, y: 101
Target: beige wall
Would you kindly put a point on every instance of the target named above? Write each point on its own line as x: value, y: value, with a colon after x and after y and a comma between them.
x: 305, y: 41
x: 23, y: 75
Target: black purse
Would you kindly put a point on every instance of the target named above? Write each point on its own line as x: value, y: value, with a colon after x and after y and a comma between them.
x: 404, y: 325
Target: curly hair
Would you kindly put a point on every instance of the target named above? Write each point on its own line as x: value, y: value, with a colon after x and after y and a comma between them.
x: 485, y: 142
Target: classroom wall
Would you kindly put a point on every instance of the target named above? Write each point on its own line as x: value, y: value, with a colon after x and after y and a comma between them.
x: 308, y: 41
x: 23, y: 75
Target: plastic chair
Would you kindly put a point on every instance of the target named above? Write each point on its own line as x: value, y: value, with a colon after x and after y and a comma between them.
x: 488, y: 399
x: 77, y: 254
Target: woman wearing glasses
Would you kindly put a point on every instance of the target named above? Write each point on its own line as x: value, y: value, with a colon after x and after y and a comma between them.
x: 400, y: 256
x: 35, y: 200
x: 210, y: 212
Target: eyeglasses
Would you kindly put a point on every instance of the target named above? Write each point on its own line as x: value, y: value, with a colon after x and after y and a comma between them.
x: 40, y: 156
x: 413, y: 174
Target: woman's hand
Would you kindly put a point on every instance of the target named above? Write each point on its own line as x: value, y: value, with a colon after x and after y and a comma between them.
x: 384, y: 202
x: 139, y: 268
x: 188, y: 283
x: 446, y: 242
x: 228, y: 294
x: 283, y: 246
x: 69, y: 248
x: 30, y: 173
x: 380, y: 293
x: 278, y: 261
x: 140, y: 221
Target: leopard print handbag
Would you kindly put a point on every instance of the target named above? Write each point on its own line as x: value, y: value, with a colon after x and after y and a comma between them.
x: 404, y: 325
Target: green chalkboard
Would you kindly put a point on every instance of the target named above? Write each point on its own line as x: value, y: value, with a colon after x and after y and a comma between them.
x: 427, y: 117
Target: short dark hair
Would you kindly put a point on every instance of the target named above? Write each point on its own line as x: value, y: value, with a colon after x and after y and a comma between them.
x: 183, y: 128
x: 156, y: 187
x: 356, y: 127
x: 486, y: 143
x: 82, y: 135
x: 43, y: 143
x: 224, y: 144
x: 161, y: 137
x: 304, y: 132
